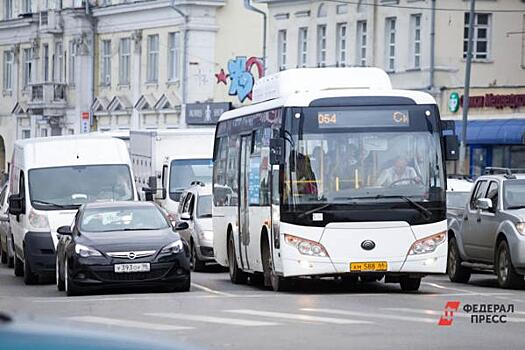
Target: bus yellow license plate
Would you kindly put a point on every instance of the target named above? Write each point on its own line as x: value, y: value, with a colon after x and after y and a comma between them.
x: 368, y: 266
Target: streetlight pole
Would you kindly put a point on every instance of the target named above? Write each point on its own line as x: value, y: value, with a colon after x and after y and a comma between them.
x: 463, y: 149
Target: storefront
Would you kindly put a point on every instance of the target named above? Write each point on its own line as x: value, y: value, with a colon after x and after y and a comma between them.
x: 495, y: 129
x: 497, y: 143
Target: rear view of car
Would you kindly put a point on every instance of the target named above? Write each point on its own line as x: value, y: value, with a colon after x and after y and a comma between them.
x: 121, y: 244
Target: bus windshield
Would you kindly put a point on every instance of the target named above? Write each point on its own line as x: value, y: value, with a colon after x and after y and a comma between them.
x: 340, y: 158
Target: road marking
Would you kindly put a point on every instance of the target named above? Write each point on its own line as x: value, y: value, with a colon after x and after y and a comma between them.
x: 209, y: 290
x: 126, y: 323
x: 375, y: 315
x: 299, y: 317
x: 213, y: 319
x: 470, y: 292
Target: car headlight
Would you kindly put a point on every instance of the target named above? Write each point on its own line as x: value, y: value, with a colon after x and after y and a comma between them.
x: 38, y: 221
x: 520, y: 226
x: 206, y: 235
x: 427, y: 244
x: 305, y: 246
x: 173, y: 247
x: 85, y: 251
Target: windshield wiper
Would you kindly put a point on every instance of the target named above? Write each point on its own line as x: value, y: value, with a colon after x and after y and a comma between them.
x: 139, y: 229
x: 427, y: 214
x: 50, y: 204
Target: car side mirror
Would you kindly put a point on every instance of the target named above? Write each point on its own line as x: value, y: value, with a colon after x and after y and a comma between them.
x: 276, y: 151
x: 451, y: 147
x: 64, y: 230
x: 17, y: 205
x: 181, y: 225
x: 484, y: 204
x: 185, y: 216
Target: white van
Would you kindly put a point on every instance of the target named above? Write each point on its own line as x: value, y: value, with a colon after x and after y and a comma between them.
x: 166, y: 162
x: 49, y: 179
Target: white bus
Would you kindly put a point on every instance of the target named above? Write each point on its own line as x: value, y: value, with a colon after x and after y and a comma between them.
x: 332, y: 173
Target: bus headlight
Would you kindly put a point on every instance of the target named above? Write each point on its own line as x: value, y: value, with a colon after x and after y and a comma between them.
x: 305, y: 246
x: 427, y: 244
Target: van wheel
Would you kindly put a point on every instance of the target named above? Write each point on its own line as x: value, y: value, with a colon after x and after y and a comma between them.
x: 197, y: 265
x: 60, y: 282
x: 507, y: 276
x: 18, y: 265
x: 456, y: 272
x: 69, y: 287
x: 237, y: 276
x: 278, y: 283
x: 29, y: 277
x: 3, y: 257
x: 409, y: 284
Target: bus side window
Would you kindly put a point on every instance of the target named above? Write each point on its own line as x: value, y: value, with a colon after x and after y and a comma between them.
x: 165, y: 177
x: 220, y: 189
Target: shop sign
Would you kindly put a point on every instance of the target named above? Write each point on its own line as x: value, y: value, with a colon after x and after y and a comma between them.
x: 453, y: 102
x: 495, y: 101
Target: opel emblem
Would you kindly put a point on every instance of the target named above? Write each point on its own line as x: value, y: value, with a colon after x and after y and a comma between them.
x: 368, y: 245
x: 132, y: 255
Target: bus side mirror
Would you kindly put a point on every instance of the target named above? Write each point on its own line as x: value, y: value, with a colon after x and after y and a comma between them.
x: 451, y: 147
x: 276, y: 151
x: 152, y: 183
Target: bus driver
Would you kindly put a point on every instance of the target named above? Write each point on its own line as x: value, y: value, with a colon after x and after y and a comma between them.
x: 398, y: 174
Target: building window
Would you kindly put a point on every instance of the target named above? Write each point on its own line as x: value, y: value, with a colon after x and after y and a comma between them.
x: 341, y: 44
x: 72, y: 61
x: 480, y: 37
x: 281, y: 49
x: 415, y: 25
x: 321, y: 45
x: 106, y: 63
x: 361, y: 43
x: 59, y: 63
x: 124, y: 61
x: 303, y: 47
x: 26, y: 6
x: 28, y: 66
x: 8, y: 70
x: 26, y: 134
x: 174, y: 56
x: 8, y: 9
x: 153, y: 58
x: 390, y: 45
x: 45, y: 62
x: 43, y: 132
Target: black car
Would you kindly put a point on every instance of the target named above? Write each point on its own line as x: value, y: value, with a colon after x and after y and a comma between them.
x: 121, y: 244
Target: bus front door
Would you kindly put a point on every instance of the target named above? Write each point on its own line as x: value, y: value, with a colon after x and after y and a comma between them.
x: 244, y: 213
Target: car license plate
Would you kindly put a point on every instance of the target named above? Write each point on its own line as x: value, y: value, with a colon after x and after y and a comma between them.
x: 127, y: 268
x: 368, y: 266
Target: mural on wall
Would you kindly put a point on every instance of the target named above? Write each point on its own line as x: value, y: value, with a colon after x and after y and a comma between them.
x: 241, y: 77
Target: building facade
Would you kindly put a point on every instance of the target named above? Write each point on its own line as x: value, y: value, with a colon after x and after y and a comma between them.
x: 422, y: 45
x: 71, y: 66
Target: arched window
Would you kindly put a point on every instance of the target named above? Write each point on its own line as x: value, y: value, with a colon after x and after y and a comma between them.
x: 321, y: 12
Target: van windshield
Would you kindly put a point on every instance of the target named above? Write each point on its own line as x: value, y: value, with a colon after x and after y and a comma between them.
x: 185, y: 171
x: 70, y: 186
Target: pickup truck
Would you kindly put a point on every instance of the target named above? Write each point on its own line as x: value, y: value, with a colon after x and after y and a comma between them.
x: 488, y: 233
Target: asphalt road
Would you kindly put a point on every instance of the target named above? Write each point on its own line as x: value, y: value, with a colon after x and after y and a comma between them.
x: 317, y: 314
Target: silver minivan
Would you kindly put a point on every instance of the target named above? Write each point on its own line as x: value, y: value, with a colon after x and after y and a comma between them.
x: 194, y: 215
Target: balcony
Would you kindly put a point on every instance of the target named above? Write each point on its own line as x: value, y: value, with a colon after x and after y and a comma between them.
x: 48, y: 96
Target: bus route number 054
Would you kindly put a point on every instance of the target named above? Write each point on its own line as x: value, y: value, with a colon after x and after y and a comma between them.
x: 327, y: 118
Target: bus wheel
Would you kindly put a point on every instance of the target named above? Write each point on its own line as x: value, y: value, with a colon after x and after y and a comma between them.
x: 409, y: 284
x: 237, y: 276
x: 278, y: 283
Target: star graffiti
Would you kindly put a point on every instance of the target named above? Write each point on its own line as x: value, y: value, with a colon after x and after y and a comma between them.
x: 222, y: 77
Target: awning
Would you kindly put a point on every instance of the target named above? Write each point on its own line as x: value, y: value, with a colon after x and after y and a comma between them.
x: 494, y: 132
